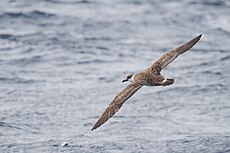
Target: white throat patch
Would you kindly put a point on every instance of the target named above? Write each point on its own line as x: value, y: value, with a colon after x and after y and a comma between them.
x: 132, y: 78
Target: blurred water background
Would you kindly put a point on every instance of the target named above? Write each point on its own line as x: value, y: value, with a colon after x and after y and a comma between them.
x: 62, y: 62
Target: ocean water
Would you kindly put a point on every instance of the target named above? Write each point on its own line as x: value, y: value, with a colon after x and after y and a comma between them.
x: 62, y: 62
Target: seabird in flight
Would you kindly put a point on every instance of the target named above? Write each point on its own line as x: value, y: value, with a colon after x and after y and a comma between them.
x: 148, y: 77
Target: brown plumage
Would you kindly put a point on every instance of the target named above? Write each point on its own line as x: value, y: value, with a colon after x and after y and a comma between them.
x: 148, y: 77
x: 117, y: 102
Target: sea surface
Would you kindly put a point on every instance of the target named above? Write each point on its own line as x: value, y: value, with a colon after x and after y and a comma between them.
x: 62, y: 62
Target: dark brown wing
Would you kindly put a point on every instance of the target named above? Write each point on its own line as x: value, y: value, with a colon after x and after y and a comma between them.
x: 170, y: 56
x: 117, y: 102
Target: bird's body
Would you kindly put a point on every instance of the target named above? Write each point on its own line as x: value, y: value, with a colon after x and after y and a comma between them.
x: 148, y: 77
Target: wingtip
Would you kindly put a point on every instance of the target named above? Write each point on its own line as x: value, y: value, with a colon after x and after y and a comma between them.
x: 93, y: 128
x: 195, y: 40
x: 199, y: 36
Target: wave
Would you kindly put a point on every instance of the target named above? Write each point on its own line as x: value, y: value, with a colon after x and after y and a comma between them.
x: 96, y: 61
x: 225, y: 58
x: 213, y: 3
x: 25, y: 61
x: 8, y: 37
x: 33, y: 14
x: 70, y: 2
x: 18, y: 80
x: 8, y: 125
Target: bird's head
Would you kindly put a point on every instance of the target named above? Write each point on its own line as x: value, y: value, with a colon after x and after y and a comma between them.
x: 128, y: 78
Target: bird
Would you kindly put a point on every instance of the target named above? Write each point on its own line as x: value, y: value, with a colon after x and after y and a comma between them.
x: 148, y: 77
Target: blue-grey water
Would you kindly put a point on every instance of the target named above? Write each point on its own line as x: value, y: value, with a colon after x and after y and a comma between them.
x: 62, y: 62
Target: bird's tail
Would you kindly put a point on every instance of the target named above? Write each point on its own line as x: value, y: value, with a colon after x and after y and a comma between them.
x: 167, y: 82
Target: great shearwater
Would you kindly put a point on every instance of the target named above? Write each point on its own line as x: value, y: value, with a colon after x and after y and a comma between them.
x: 148, y: 77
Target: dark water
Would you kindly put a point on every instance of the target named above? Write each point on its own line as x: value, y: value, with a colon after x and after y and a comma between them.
x: 62, y: 62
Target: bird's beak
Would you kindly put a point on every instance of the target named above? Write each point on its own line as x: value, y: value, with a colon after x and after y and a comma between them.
x: 125, y: 80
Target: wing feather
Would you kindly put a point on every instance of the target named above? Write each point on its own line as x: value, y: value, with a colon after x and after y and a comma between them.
x: 117, y: 102
x: 167, y: 58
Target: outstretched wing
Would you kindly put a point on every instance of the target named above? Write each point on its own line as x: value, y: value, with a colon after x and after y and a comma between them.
x: 170, y: 56
x: 117, y: 102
